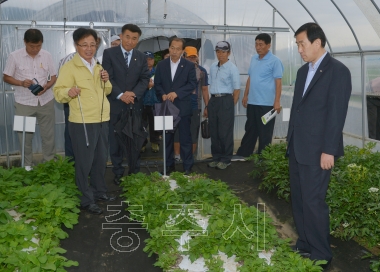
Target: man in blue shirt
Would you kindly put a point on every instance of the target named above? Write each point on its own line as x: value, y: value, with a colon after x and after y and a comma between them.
x: 224, y: 90
x: 262, y: 94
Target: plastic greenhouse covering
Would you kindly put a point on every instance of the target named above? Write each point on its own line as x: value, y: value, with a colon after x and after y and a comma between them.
x: 352, y: 28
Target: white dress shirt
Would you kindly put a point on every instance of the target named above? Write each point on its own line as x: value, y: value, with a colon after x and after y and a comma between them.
x: 174, y: 66
x: 91, y: 65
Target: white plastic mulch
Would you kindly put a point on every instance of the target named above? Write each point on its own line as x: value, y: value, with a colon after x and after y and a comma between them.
x: 16, y: 217
x: 199, y: 265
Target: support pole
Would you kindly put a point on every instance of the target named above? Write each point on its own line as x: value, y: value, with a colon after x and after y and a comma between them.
x: 23, y: 143
x: 164, y: 143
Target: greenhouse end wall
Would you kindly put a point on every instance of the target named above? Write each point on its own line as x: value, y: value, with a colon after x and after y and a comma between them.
x: 344, y: 28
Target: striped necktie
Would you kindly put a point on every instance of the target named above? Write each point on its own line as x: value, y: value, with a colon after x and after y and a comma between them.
x: 126, y: 54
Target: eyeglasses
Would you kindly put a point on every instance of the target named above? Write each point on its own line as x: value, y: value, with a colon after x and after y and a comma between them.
x: 92, y: 46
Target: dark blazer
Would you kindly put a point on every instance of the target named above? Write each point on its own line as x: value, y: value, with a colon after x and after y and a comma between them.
x: 135, y: 78
x: 317, y: 119
x: 183, y: 84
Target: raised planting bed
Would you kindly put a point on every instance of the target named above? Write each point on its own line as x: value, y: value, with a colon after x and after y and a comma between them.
x: 353, y: 194
x: 199, y: 224
x: 34, y: 206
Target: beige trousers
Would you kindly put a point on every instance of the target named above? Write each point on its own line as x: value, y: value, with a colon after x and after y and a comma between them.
x: 46, y: 119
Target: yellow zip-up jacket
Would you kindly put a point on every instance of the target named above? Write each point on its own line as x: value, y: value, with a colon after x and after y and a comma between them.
x: 75, y: 73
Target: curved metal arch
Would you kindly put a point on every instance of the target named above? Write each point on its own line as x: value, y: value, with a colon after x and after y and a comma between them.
x: 349, y: 25
x: 311, y: 15
x: 376, y: 6
x: 280, y: 15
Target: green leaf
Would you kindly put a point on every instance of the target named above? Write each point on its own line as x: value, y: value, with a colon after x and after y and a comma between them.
x: 49, y: 266
x: 42, y: 259
x: 70, y: 263
x: 33, y: 259
x: 57, y: 250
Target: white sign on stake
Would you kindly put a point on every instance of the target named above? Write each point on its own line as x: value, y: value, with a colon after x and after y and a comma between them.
x: 30, y: 123
x: 285, y: 114
x: 159, y: 122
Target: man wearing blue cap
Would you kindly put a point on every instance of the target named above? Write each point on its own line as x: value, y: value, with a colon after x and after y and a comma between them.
x: 150, y: 99
x: 224, y: 90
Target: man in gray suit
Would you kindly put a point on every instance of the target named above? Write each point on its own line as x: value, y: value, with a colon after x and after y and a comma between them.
x: 321, y: 95
x: 129, y: 75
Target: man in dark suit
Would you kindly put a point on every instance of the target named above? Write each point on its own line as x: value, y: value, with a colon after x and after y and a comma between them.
x: 129, y: 75
x: 175, y: 80
x: 321, y: 95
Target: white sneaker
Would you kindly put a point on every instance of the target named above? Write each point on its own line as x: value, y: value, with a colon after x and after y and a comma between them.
x: 238, y: 158
x: 28, y: 168
x: 177, y: 158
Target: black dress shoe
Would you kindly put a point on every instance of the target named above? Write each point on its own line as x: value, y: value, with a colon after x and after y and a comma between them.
x: 106, y: 198
x: 117, y: 178
x: 187, y: 172
x: 169, y: 170
x: 301, y: 252
x: 92, y: 208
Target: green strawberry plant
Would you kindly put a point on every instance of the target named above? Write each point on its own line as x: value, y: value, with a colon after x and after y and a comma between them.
x: 45, y: 198
x: 233, y: 227
x: 353, y: 194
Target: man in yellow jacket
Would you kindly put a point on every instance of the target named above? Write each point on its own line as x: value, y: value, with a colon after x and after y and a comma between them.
x: 84, y: 84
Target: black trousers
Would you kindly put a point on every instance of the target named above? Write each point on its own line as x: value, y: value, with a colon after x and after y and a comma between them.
x: 308, y: 185
x: 221, y: 124
x: 90, y: 161
x: 373, y: 116
x: 186, y: 145
x: 255, y: 129
x: 68, y: 145
x: 116, y: 152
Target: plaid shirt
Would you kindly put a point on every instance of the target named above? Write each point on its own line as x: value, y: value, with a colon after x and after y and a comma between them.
x: 21, y: 66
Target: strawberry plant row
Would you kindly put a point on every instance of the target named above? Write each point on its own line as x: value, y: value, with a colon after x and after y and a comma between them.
x: 44, y: 199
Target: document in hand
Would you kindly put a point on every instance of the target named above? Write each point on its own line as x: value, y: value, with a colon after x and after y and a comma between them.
x: 268, y: 116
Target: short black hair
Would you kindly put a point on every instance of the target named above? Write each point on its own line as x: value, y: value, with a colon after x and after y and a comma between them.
x: 313, y: 32
x: 82, y: 32
x: 131, y: 27
x: 33, y: 35
x: 265, y: 37
x: 178, y: 40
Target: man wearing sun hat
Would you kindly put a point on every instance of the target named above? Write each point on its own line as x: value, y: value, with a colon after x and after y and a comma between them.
x: 224, y: 90
x: 115, y: 40
x: 196, y: 100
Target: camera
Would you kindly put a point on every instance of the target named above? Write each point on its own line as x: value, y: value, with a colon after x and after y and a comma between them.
x: 35, y: 88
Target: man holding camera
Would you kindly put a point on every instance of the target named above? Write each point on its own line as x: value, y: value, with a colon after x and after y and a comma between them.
x: 25, y: 68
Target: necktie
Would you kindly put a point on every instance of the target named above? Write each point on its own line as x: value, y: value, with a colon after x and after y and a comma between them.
x: 126, y: 58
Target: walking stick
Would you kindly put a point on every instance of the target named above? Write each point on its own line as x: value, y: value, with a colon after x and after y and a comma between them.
x: 84, y: 125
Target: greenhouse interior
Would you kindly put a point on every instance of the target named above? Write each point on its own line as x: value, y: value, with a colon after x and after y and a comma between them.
x: 237, y: 218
